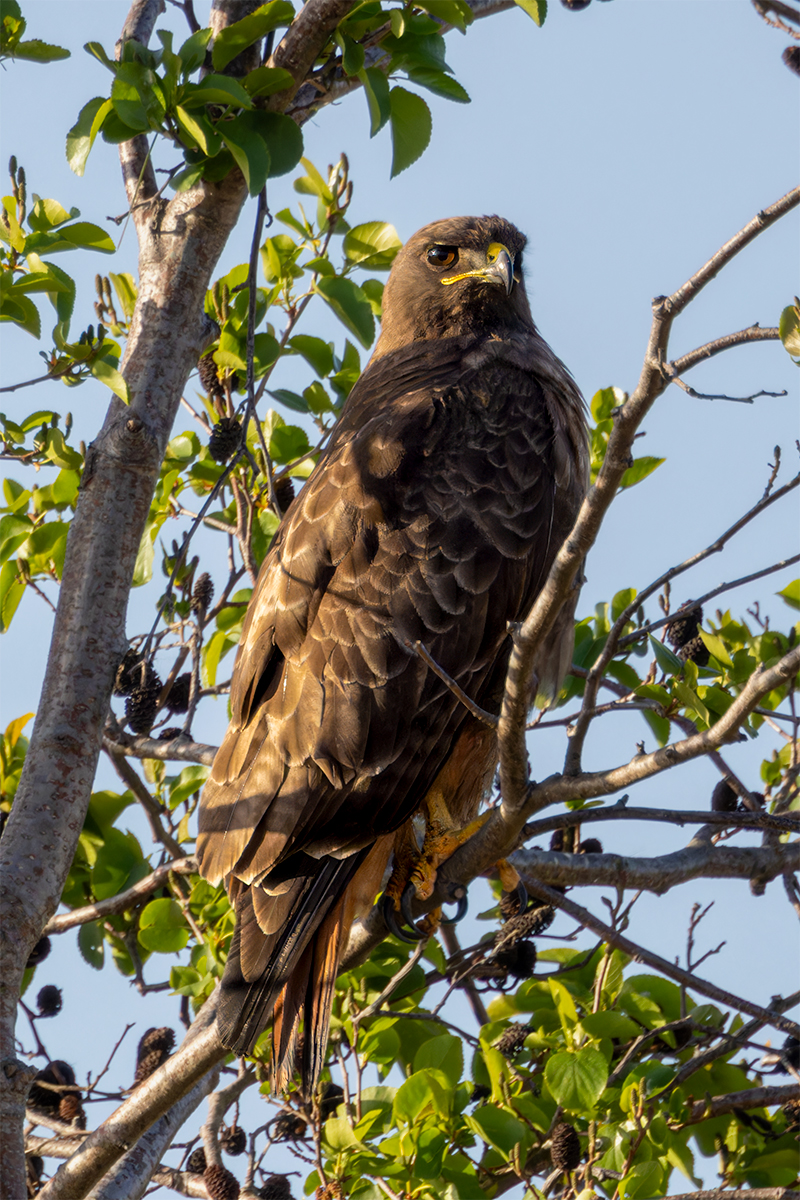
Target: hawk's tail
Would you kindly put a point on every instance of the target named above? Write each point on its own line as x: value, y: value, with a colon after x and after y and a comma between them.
x: 290, y: 974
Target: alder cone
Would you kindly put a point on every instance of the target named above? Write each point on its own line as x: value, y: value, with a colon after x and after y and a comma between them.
x: 591, y: 846
x: 723, y: 798
x: 276, y: 1187
x: 696, y: 650
x: 233, y: 1140
x: 220, y: 1183
x: 685, y: 625
x: 70, y: 1109
x: 178, y: 698
x: 791, y: 1110
x: 331, y: 1191
x: 565, y: 1150
x: 480, y: 1092
x: 168, y: 735
x: 57, y: 1072
x: 512, y: 1039
x: 129, y: 673
x: 203, y: 593
x: 209, y: 378
x: 330, y: 1099
x: 196, y: 1162
x: 518, y: 959
x: 284, y: 493
x: 225, y: 438
x: 154, y: 1049
x: 289, y: 1126
x: 141, y: 706
x: 49, y: 1001
x: 39, y: 952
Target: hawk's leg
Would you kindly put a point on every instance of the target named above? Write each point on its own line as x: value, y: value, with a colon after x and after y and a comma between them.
x: 415, y: 871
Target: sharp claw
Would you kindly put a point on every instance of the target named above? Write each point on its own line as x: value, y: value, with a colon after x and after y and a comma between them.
x: 460, y: 912
x: 409, y: 892
x: 520, y: 893
x: 390, y: 917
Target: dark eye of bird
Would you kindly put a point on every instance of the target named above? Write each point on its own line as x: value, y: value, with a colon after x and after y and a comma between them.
x: 443, y: 256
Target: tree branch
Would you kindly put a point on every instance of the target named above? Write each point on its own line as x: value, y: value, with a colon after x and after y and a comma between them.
x: 760, y: 1097
x: 671, y: 970
x: 127, y: 899
x: 754, y: 333
x: 540, y: 620
x: 707, y: 861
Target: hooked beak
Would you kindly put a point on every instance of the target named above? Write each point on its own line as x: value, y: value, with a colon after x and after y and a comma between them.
x: 498, y: 268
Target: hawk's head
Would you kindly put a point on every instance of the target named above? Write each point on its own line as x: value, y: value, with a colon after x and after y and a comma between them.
x: 454, y: 277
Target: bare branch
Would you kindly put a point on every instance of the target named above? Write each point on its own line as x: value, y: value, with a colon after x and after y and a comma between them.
x: 150, y: 806
x: 705, y: 861
x: 482, y: 715
x: 127, y: 899
x: 180, y: 749
x: 620, y: 812
x: 671, y: 970
x: 760, y: 1097
x: 754, y: 333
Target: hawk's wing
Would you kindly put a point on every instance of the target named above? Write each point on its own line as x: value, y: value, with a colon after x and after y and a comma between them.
x: 430, y: 517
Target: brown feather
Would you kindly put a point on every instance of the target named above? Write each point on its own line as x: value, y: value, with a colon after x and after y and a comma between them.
x: 449, y: 482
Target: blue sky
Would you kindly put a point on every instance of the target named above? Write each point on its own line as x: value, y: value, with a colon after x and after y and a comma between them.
x: 629, y: 141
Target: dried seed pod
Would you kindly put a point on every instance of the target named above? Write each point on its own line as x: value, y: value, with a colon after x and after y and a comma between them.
x: 791, y: 56
x: 39, y: 952
x: 331, y: 1097
x: 276, y: 1187
x: 685, y: 625
x: 220, y: 1183
x: 130, y: 674
x: 196, y: 1162
x: 141, y: 706
x: 203, y: 593
x: 480, y: 1092
x: 512, y: 1039
x: 58, y: 1073
x: 70, y: 1110
x: 723, y: 797
x: 155, y: 1047
x: 518, y: 960
x: 527, y: 925
x: 178, y: 698
x: 565, y: 1149
x: 331, y: 1191
x: 696, y: 650
x: 591, y: 846
x: 557, y: 840
x: 576, y: 5
x: 233, y: 1140
x: 209, y: 376
x: 49, y: 1001
x: 289, y: 1126
x: 284, y: 493
x: 168, y: 734
x: 225, y: 438
x: 791, y: 1110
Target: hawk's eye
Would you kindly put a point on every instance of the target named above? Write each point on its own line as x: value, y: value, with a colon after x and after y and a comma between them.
x: 443, y: 256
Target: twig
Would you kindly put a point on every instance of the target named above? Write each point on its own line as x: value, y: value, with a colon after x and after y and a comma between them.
x: 760, y: 1097
x: 671, y: 970
x: 150, y: 806
x: 482, y: 715
x: 754, y: 333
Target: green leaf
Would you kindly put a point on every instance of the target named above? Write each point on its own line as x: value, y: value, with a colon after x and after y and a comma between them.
x: 376, y: 90
x: 640, y: 469
x: 669, y: 663
x: 317, y: 353
x: 216, y: 89
x: 237, y: 37
x: 536, y: 10
x: 411, y: 128
x: 198, y: 131
x: 193, y: 51
x: 352, y: 54
x: 789, y: 329
x: 41, y: 52
x: 266, y: 81
x: 645, y: 1181
x: 290, y: 400
x: 374, y: 244
x: 110, y: 376
x: 716, y: 646
x: 611, y: 1025
x: 47, y: 214
x: 577, y: 1080
x: 440, y: 83
x: 791, y: 594
x: 350, y: 305
x: 91, y: 944
x: 621, y: 601
x: 499, y: 1128
x: 452, y: 12
x: 249, y: 151
x: 283, y: 139
x: 118, y: 865
x: 443, y: 1053
x: 125, y: 287
x: 11, y: 592
x: 162, y: 927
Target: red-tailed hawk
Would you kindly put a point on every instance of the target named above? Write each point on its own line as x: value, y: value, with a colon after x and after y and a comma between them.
x: 452, y: 477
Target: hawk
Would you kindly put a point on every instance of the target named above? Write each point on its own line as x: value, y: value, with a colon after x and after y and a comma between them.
x: 449, y: 482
